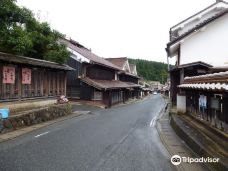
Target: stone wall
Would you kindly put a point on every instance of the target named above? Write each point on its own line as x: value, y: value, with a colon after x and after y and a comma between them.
x: 35, y: 116
x: 20, y: 106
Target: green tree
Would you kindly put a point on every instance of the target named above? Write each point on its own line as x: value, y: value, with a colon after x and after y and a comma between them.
x: 22, y: 34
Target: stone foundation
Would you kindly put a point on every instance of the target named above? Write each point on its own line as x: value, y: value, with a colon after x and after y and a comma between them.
x: 20, y: 106
x: 35, y: 116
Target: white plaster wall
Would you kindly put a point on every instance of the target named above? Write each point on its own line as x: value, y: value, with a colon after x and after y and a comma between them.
x: 181, y: 104
x: 202, y: 17
x: 194, y: 20
x: 77, y: 56
x: 209, y: 45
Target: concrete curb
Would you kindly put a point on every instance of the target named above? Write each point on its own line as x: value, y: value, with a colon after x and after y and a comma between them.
x: 162, y: 137
x: 89, y: 103
x: 194, y: 145
x: 131, y: 102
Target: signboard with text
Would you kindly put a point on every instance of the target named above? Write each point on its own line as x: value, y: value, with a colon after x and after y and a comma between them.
x: 26, y: 76
x: 8, y: 75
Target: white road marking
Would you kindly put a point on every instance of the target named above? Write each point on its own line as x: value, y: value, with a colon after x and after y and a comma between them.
x: 153, y: 121
x: 155, y: 118
x: 41, y: 134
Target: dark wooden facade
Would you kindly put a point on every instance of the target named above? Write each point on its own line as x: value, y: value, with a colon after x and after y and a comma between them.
x: 207, y: 98
x: 45, y: 81
x: 73, y: 81
x: 217, y: 117
x: 100, y: 72
x: 95, y: 78
x: 178, y: 74
x: 134, y: 92
x: 108, y: 97
x: 78, y: 89
x: 128, y: 78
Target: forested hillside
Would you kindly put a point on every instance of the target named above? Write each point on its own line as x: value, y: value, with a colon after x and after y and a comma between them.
x: 150, y: 70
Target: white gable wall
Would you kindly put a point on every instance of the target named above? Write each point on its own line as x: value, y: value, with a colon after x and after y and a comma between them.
x: 209, y: 45
x: 77, y: 56
x: 126, y: 66
x: 217, y: 8
x: 196, y: 19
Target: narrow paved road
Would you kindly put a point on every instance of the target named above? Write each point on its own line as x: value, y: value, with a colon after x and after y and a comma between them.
x: 121, y: 138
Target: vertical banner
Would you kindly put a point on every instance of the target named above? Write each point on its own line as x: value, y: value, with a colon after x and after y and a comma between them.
x: 26, y: 76
x: 8, y: 75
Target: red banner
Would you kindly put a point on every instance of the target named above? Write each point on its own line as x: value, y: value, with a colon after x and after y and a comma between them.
x: 8, y: 75
x: 26, y: 76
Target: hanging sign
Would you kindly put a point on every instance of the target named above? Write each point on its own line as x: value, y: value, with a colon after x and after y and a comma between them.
x: 26, y: 76
x: 8, y: 75
x: 215, y: 103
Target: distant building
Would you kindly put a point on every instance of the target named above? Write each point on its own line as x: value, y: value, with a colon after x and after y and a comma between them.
x: 127, y: 73
x: 155, y: 85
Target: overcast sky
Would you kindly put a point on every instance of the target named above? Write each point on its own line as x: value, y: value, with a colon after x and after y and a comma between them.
x: 116, y: 28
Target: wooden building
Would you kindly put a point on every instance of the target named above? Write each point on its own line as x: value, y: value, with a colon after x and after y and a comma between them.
x: 28, y: 78
x: 127, y: 73
x: 95, y: 78
x: 178, y: 73
x: 207, y: 98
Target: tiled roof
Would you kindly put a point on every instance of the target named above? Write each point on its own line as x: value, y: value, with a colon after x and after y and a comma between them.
x: 192, y: 64
x: 199, y: 13
x: 206, y: 86
x: 197, y: 27
x: 216, y: 81
x: 89, y: 55
x: 120, y: 62
x: 216, y: 77
x: 129, y: 74
x: 31, y: 61
x: 108, y: 84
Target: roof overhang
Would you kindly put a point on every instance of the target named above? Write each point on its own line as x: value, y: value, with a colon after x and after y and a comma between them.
x: 33, y: 62
x: 109, y: 84
x: 206, y: 86
x: 215, y: 6
x: 192, y: 65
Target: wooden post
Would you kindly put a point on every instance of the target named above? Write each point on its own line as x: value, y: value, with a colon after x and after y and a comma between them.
x: 19, y: 83
x: 58, y: 78
x: 46, y: 82
x: 41, y: 75
x: 65, y: 82
x: 225, y: 112
x: 110, y: 98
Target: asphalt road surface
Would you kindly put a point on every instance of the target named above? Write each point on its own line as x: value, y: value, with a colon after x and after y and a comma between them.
x: 121, y: 138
